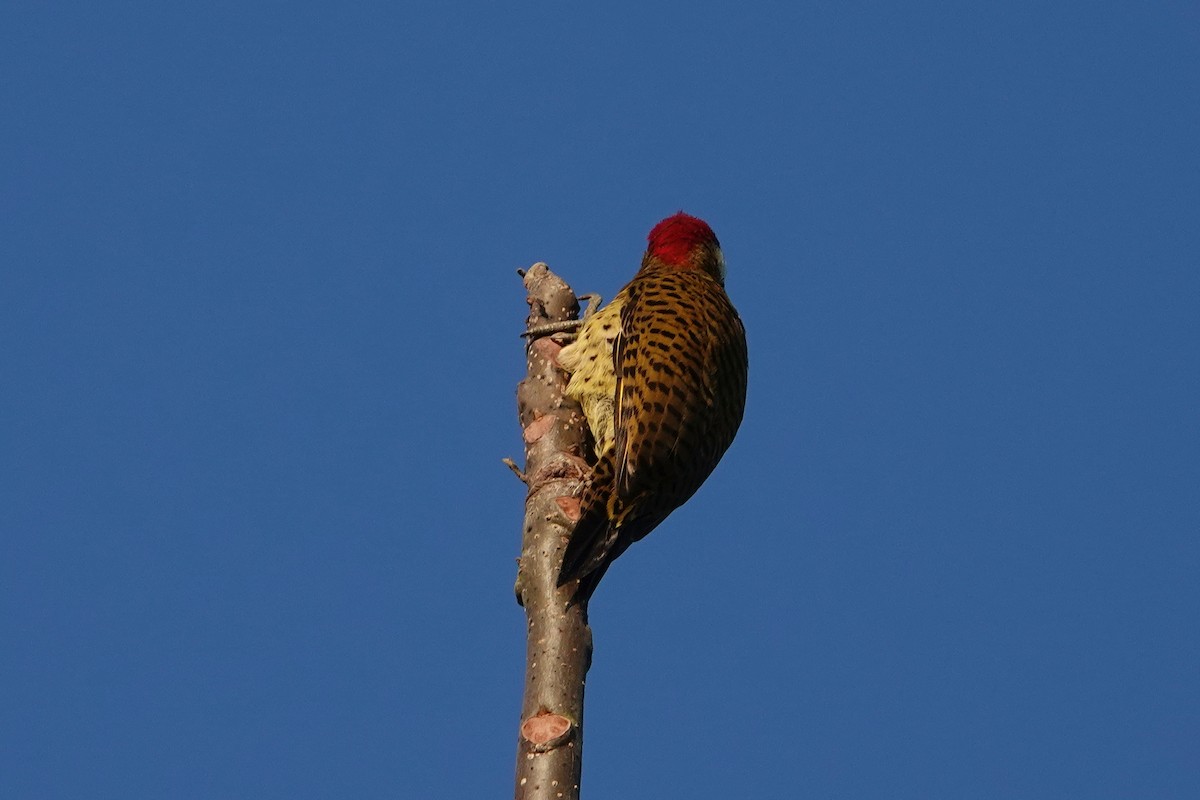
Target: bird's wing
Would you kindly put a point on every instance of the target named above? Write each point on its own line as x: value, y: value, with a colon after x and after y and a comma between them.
x: 679, y: 338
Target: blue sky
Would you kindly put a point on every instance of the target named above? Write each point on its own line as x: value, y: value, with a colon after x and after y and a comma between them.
x: 259, y: 318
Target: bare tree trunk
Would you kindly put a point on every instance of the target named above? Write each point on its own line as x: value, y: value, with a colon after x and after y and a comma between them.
x: 559, y: 643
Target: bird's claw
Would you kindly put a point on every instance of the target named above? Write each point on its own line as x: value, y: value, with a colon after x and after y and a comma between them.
x: 570, y: 326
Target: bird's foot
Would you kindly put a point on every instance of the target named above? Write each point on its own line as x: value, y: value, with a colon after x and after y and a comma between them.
x: 568, y: 328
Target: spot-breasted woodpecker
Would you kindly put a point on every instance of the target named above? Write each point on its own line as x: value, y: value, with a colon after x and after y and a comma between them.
x: 661, y: 375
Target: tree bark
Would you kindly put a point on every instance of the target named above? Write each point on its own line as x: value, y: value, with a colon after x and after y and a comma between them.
x: 558, y: 648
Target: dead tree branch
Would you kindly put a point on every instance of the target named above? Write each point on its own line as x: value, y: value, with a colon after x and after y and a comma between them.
x: 559, y: 642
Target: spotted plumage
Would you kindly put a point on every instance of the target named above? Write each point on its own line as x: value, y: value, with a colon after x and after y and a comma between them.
x: 661, y: 375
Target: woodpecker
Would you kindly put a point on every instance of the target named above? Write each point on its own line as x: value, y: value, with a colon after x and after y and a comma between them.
x: 660, y: 373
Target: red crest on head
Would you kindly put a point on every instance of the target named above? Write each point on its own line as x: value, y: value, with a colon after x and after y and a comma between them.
x: 673, y: 240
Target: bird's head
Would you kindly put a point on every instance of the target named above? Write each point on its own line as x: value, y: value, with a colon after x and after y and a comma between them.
x: 685, y: 242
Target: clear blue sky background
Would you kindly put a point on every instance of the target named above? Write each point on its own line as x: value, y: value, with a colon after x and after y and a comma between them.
x: 258, y: 340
